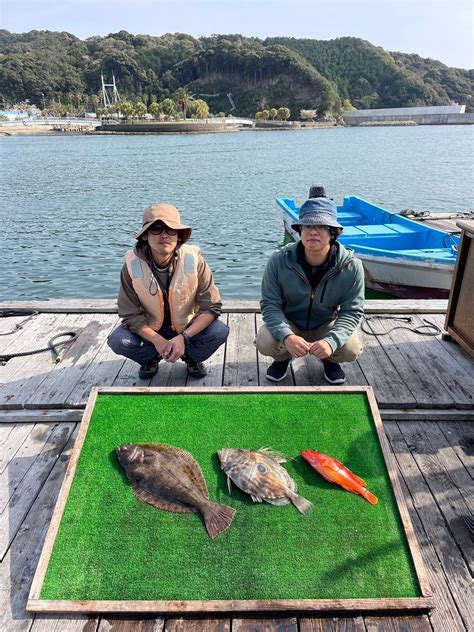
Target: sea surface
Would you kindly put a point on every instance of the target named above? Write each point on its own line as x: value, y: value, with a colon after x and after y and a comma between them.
x: 70, y: 205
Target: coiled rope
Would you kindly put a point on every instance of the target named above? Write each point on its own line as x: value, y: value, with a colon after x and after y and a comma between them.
x: 53, y: 346
x: 430, y: 329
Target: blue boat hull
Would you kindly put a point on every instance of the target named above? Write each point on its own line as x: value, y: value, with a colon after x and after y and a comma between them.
x: 401, y: 257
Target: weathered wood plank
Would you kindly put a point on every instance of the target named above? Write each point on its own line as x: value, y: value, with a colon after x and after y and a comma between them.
x: 241, y: 355
x: 27, y: 491
x: 17, y: 568
x: 96, y: 306
x: 332, y: 624
x: 64, y: 623
x: 22, y: 461
x: 442, y: 485
x: 402, y: 348
x: 21, y: 376
x: 398, y: 624
x: 461, y: 438
x: 447, y: 572
x: 197, y: 625
x: 289, y: 624
x: 264, y: 362
x: 101, y: 372
x: 390, y: 388
x: 426, y: 414
x: 130, y: 624
x: 128, y: 376
x: 452, y: 347
x: 5, y: 432
x: 38, y: 415
x: 58, y: 383
x: 13, y: 444
x: 34, y: 335
x: 308, y: 371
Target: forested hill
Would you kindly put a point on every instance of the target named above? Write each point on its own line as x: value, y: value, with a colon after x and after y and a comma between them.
x: 276, y: 72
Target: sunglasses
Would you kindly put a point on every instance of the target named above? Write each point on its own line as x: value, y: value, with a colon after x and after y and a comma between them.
x: 158, y: 229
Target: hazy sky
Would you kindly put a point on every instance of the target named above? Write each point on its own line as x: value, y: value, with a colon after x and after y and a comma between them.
x: 431, y: 28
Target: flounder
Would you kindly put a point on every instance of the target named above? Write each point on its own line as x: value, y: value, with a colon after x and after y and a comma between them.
x: 169, y: 478
x: 260, y: 474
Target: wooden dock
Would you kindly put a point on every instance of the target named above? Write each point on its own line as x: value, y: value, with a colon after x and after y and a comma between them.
x: 424, y: 387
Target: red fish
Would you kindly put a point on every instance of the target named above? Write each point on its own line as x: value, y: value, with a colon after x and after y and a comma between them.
x: 335, y: 472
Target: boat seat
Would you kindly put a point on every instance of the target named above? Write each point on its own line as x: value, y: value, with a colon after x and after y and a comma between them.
x: 405, y: 230
x: 377, y: 230
x: 353, y: 231
x: 349, y: 217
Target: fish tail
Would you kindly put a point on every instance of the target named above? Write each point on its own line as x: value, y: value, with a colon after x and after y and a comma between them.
x: 373, y: 500
x: 303, y: 505
x: 217, y: 518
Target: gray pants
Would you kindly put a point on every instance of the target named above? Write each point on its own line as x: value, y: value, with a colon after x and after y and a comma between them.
x: 268, y: 345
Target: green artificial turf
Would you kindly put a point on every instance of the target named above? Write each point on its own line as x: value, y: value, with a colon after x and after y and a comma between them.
x: 111, y: 546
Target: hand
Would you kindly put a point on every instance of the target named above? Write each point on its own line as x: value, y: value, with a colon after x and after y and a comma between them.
x: 296, y: 345
x: 176, y: 348
x: 162, y: 346
x: 321, y: 349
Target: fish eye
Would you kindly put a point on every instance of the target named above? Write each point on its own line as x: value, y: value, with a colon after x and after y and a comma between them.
x: 261, y: 468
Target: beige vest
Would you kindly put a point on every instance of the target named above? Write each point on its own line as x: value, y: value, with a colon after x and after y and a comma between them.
x: 181, y: 292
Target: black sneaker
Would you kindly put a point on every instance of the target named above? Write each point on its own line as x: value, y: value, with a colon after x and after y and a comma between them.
x: 147, y: 371
x: 197, y: 369
x: 333, y: 372
x: 278, y: 370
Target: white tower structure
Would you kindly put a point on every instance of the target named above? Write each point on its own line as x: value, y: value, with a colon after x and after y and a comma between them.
x: 109, y: 99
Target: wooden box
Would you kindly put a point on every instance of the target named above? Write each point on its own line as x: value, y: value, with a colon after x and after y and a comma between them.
x: 460, y: 315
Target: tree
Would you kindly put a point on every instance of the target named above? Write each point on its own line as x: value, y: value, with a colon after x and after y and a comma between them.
x: 140, y: 109
x: 183, y: 100
x: 168, y: 107
x: 283, y: 114
x: 155, y: 109
x: 200, y: 109
x: 265, y: 114
x: 126, y: 108
x: 273, y: 112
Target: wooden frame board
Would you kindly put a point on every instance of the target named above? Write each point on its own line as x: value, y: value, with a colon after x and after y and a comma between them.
x: 35, y: 604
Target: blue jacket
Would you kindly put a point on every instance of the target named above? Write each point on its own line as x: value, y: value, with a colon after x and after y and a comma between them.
x: 287, y: 296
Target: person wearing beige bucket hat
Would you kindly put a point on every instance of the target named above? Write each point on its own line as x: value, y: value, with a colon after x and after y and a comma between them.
x: 168, y: 301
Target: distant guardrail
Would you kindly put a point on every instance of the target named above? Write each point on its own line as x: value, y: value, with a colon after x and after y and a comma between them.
x: 57, y: 122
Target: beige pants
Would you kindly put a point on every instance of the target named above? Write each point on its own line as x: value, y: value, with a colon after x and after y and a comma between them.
x: 268, y: 345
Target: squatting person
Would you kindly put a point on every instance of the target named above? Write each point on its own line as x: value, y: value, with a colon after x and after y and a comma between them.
x: 312, y: 297
x: 168, y: 302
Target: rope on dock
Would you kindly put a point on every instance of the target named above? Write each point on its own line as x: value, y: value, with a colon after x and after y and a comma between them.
x: 430, y: 329
x: 18, y: 325
x: 52, y: 345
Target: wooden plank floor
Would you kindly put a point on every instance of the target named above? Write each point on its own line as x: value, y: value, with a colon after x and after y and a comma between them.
x: 423, y: 374
x: 424, y: 387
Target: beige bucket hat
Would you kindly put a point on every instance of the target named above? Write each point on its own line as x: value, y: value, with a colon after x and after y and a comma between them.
x: 169, y: 215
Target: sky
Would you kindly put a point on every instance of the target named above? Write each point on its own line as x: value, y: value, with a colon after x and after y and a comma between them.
x: 431, y: 28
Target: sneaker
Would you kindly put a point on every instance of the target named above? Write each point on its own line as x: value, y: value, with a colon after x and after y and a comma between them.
x: 333, y: 372
x: 278, y: 370
x: 147, y: 371
x: 197, y: 369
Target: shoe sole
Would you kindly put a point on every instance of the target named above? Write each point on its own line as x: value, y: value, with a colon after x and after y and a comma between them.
x: 277, y: 379
x: 338, y: 381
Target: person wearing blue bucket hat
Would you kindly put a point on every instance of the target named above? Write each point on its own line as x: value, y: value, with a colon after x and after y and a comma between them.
x: 312, y: 297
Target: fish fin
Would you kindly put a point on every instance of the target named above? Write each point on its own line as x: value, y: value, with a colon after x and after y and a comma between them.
x: 256, y: 499
x: 373, y: 500
x: 303, y: 505
x: 161, y: 503
x: 278, y: 501
x: 273, y: 454
x: 186, y: 460
x: 229, y: 485
x: 217, y: 518
x: 358, y: 479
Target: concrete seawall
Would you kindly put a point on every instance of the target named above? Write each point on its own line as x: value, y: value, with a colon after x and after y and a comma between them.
x: 420, y: 119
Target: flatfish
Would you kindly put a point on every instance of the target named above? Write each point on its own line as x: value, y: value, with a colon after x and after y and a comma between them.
x: 170, y: 478
x: 260, y: 474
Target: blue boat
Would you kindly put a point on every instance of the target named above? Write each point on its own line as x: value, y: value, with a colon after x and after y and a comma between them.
x: 401, y: 257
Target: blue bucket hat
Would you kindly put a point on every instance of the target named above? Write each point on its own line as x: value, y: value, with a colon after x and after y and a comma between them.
x: 318, y: 212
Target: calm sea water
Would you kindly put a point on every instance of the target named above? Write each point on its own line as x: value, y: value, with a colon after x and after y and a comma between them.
x: 69, y: 205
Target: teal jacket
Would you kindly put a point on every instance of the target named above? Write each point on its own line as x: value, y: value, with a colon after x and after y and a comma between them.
x: 287, y: 296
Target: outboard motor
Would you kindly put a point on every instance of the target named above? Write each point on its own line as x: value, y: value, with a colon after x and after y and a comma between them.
x: 317, y: 190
